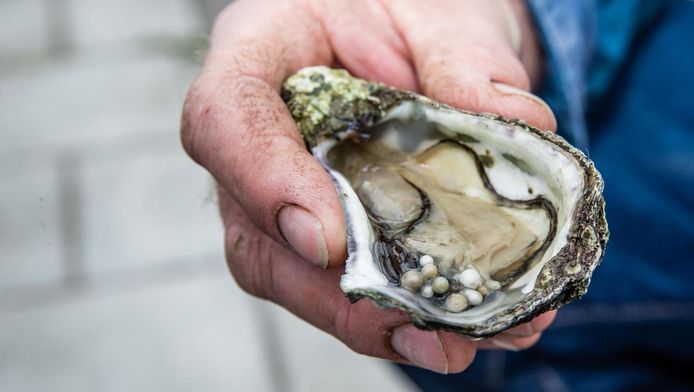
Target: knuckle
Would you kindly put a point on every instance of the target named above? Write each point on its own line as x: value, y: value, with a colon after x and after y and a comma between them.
x: 198, y: 116
x: 258, y: 105
x: 236, y: 256
x: 512, y: 71
x: 360, y: 333
x: 249, y: 262
x: 232, y: 110
x: 455, y: 91
x: 264, y: 128
x: 501, y: 64
x: 343, y: 330
x: 464, y: 78
x: 341, y: 321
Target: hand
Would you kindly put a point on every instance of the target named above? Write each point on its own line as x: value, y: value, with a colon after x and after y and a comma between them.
x: 281, y: 213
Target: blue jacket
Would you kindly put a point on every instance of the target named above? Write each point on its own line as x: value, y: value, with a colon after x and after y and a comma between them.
x: 620, y: 78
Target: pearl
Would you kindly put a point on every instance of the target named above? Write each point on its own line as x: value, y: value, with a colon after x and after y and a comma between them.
x: 426, y: 259
x: 484, y: 290
x: 456, y: 303
x: 474, y: 297
x: 429, y: 271
x: 427, y: 291
x: 440, y: 285
x: 492, y: 284
x: 470, y: 278
x: 412, y: 280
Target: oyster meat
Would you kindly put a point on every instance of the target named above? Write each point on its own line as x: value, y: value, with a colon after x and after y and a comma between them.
x: 467, y: 222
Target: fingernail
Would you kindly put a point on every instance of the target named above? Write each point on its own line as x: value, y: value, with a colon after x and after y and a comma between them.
x: 304, y: 233
x: 500, y: 343
x: 507, y: 89
x: 421, y: 348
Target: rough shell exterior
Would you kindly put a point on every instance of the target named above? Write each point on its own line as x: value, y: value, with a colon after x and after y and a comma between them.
x: 328, y: 103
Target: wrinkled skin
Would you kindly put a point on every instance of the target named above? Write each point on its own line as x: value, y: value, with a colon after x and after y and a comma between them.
x: 284, y: 227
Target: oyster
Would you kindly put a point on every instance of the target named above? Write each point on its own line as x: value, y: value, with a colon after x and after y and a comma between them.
x: 467, y: 222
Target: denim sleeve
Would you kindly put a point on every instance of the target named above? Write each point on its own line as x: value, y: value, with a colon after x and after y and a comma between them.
x: 585, y: 42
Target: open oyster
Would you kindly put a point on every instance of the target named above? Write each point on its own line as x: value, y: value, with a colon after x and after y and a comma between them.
x: 468, y: 222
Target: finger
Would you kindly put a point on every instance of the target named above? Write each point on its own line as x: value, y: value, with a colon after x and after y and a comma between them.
x: 368, y: 44
x: 509, y: 343
x: 466, y: 60
x: 538, y: 324
x: 443, y: 352
x: 314, y: 295
x: 237, y: 127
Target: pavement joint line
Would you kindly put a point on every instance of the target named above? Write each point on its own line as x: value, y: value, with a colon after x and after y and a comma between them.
x: 58, y: 27
x: 70, y: 195
x: 272, y: 348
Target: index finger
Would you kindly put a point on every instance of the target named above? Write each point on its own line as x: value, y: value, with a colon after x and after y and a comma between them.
x: 466, y: 60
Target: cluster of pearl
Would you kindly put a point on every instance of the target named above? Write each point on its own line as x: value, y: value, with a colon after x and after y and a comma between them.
x: 427, y: 281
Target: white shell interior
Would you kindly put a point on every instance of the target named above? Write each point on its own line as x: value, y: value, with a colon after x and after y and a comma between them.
x: 556, y: 176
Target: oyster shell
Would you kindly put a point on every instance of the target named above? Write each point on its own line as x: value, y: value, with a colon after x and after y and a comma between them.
x: 467, y: 222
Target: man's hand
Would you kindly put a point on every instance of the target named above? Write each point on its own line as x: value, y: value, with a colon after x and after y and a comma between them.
x: 281, y: 213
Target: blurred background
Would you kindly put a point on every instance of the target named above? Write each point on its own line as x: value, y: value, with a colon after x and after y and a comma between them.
x: 112, y: 275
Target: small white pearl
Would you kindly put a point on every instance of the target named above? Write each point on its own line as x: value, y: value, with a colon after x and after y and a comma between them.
x: 456, y: 303
x: 430, y: 271
x: 484, y: 290
x: 470, y: 279
x: 474, y: 297
x: 493, y: 284
x: 426, y: 259
x: 412, y: 280
x: 440, y: 285
x: 427, y: 291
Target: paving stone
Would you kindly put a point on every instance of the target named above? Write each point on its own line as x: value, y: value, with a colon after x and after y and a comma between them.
x: 318, y: 362
x: 99, y: 22
x: 84, y: 99
x: 190, y: 334
x: 22, y: 27
x: 147, y: 207
x: 30, y: 229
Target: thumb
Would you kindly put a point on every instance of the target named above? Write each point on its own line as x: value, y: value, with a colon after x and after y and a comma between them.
x: 248, y: 141
x: 236, y: 125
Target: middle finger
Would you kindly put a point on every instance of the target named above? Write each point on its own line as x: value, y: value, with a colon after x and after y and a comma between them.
x: 314, y: 295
